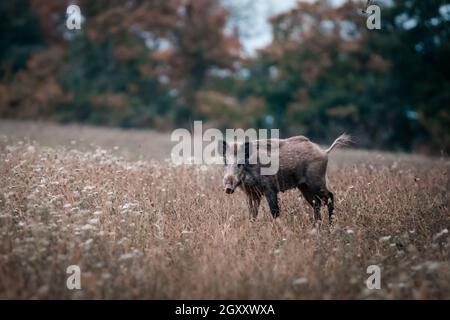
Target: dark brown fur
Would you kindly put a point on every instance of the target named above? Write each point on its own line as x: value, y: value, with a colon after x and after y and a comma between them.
x: 302, y: 165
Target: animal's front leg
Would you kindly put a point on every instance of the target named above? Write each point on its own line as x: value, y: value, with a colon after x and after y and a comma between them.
x: 272, y: 200
x: 253, y: 200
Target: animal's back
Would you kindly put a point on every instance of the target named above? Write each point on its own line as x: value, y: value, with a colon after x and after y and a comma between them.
x: 300, y: 160
x: 298, y: 151
x: 295, y: 151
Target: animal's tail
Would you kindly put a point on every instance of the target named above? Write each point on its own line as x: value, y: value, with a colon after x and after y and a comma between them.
x: 343, y: 140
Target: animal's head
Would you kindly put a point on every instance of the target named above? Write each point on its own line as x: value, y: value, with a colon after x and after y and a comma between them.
x: 236, y: 163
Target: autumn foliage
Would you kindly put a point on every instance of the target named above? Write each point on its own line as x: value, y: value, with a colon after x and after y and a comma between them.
x: 164, y: 63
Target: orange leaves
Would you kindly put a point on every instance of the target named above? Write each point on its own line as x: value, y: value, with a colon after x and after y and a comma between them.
x: 120, y: 49
x: 110, y: 100
x: 222, y: 109
x: 126, y: 53
x: 216, y: 105
x: 51, y: 15
x: 35, y: 91
x: 163, y: 55
x: 45, y: 62
x: 377, y: 62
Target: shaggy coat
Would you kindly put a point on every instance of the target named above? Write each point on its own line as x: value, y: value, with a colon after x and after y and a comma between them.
x: 302, y: 165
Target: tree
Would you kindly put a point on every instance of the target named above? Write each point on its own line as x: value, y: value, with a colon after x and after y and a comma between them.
x: 415, y: 39
x: 134, y: 64
x: 19, y: 35
x: 325, y: 73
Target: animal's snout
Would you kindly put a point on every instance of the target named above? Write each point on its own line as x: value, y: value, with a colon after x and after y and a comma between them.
x: 229, y: 189
x: 230, y: 184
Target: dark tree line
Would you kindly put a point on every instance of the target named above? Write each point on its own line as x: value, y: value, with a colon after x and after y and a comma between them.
x: 164, y: 63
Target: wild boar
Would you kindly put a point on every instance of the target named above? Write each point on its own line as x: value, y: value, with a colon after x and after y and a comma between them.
x: 302, y: 164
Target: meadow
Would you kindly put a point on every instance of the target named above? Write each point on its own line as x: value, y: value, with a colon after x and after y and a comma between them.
x: 140, y: 227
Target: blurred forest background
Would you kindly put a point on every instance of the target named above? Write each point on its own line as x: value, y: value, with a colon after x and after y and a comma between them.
x: 163, y: 63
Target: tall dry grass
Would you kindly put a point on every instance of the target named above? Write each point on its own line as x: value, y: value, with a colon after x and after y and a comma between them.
x: 148, y: 229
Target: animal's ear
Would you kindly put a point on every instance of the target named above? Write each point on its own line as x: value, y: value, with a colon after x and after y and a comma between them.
x: 222, y: 147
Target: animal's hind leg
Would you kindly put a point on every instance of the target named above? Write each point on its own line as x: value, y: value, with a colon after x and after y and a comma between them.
x: 312, y: 199
x: 272, y: 200
x: 253, y: 201
x: 316, y: 205
x: 328, y: 198
x: 330, y: 205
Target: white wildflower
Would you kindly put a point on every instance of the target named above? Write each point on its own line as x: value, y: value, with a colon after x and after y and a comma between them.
x: 385, y: 239
x: 93, y: 221
x: 440, y: 234
x: 300, y: 281
x: 87, y: 227
x: 433, y: 265
x: 126, y: 256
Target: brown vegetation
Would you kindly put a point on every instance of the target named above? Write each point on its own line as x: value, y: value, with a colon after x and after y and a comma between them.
x: 148, y: 229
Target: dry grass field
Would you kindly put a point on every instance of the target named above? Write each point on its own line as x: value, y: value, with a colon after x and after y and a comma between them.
x: 140, y: 227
